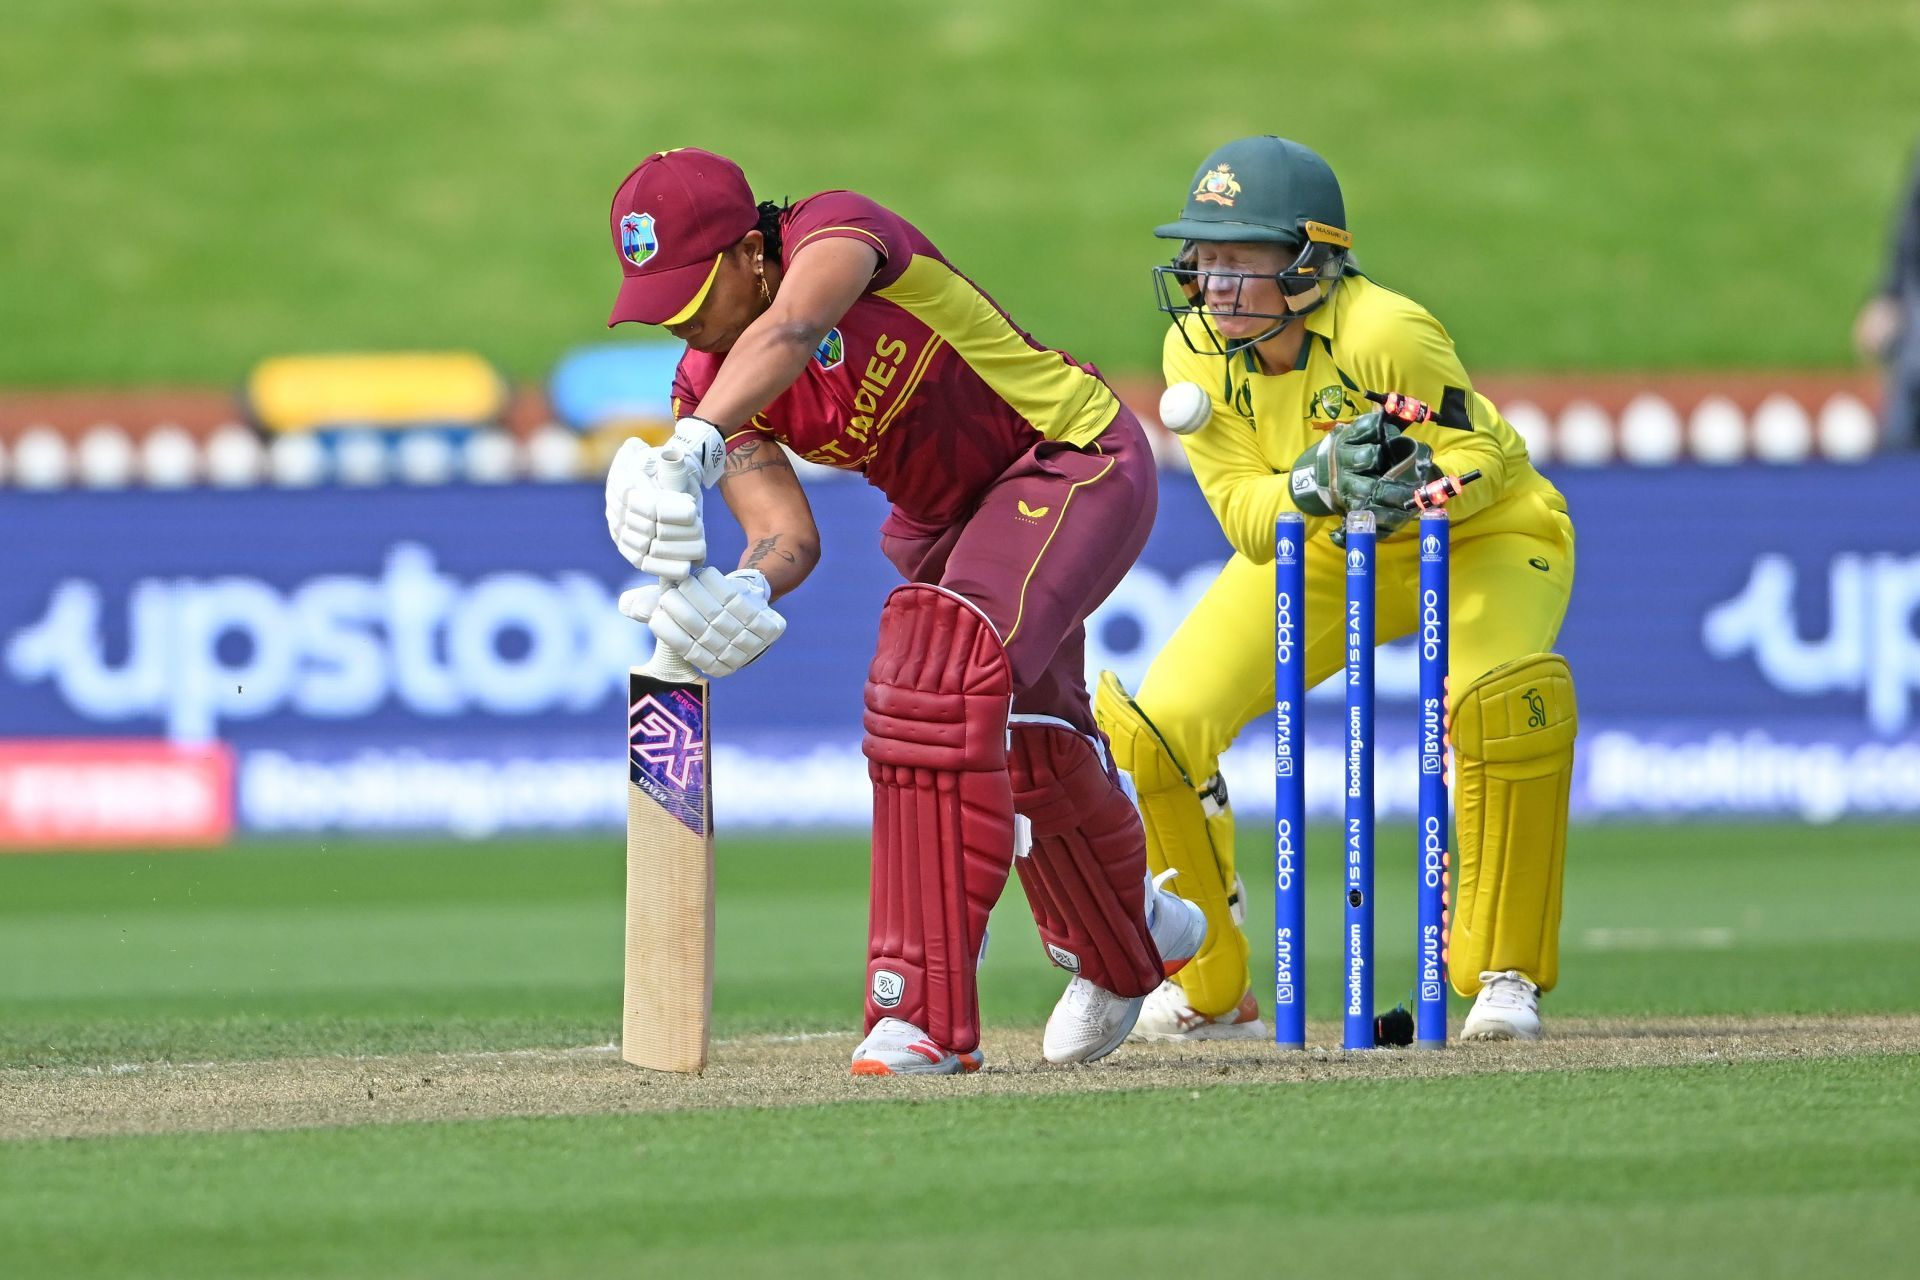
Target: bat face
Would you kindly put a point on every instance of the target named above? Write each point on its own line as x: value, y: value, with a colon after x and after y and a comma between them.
x: 669, y: 963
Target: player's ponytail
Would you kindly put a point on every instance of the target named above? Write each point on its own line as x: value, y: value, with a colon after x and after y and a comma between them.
x: 769, y: 225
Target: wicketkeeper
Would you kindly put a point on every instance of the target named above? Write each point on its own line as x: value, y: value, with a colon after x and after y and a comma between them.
x: 1284, y: 335
x: 1021, y: 491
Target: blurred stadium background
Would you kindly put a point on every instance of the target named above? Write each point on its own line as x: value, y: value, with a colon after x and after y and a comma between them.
x: 304, y: 390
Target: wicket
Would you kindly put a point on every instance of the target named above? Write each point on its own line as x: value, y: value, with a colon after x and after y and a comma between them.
x: 1289, y: 669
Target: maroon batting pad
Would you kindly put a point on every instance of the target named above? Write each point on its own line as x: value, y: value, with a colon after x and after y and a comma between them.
x: 936, y: 746
x: 1085, y: 874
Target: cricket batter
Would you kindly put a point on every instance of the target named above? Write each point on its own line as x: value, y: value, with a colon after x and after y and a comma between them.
x: 1284, y: 335
x: 1021, y: 491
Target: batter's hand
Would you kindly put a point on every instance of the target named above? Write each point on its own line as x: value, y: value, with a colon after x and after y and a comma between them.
x: 699, y: 441
x: 718, y: 623
x: 659, y: 532
x: 640, y: 603
x: 656, y: 526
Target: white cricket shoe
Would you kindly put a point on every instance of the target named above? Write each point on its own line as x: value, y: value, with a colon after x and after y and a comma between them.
x: 1167, y: 1016
x: 898, y: 1048
x: 1507, y: 1008
x: 1090, y: 1021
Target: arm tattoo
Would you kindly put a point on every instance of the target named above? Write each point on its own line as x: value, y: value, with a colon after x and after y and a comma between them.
x: 766, y: 548
x: 753, y: 455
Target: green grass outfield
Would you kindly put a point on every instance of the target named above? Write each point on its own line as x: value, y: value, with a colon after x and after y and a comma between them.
x: 187, y: 186
x: 279, y: 949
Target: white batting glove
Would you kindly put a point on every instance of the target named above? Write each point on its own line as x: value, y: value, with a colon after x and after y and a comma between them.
x: 656, y: 526
x: 718, y: 623
x: 640, y: 603
x: 661, y: 533
x: 699, y: 440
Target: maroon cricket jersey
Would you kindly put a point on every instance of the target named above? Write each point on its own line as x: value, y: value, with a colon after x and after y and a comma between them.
x: 925, y: 385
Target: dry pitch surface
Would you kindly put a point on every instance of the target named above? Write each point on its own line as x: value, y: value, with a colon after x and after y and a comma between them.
x: 796, y: 1071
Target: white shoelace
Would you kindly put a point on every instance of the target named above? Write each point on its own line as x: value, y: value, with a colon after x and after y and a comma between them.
x: 1508, y: 990
x: 1085, y: 998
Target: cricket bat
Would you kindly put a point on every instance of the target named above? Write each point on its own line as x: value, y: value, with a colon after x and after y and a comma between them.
x: 669, y: 965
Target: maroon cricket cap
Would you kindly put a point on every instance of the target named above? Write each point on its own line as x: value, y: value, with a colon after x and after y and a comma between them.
x: 672, y: 219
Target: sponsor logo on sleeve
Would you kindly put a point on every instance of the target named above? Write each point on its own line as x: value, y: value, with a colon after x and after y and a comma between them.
x: 832, y: 351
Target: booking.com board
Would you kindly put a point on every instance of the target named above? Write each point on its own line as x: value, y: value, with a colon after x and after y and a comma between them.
x: 451, y: 659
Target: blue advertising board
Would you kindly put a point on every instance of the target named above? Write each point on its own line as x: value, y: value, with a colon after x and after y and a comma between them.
x: 452, y: 658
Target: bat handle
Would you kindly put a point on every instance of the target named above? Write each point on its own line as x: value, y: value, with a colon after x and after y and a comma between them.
x: 671, y: 466
x: 667, y: 665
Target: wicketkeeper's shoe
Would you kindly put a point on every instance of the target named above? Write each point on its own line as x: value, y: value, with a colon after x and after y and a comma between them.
x: 898, y: 1048
x: 1090, y: 1022
x: 1167, y: 1016
x: 1507, y: 1008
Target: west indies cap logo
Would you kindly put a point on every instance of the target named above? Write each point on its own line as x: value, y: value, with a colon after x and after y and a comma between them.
x: 637, y: 241
x: 1217, y: 186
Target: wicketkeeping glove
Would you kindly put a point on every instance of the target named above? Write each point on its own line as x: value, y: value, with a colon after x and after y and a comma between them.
x: 1366, y: 464
x: 718, y: 623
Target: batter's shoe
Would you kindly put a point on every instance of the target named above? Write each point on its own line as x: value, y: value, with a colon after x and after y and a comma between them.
x: 1090, y: 1022
x: 1167, y: 1016
x: 897, y: 1048
x: 1507, y: 1008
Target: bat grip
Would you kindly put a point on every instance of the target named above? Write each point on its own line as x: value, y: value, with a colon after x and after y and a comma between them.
x: 667, y: 665
x: 674, y: 470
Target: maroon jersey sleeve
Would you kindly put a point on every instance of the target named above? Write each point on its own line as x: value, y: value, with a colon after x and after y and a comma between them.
x: 850, y: 216
x: 685, y: 394
x: 691, y: 378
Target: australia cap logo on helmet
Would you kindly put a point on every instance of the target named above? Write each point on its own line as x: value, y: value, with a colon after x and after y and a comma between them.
x: 637, y: 241
x: 1217, y: 186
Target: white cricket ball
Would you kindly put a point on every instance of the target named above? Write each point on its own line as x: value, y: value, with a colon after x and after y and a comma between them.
x: 1185, y: 408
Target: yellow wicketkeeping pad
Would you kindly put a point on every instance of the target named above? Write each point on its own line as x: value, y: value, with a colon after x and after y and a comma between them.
x: 1183, y: 836
x: 1512, y: 735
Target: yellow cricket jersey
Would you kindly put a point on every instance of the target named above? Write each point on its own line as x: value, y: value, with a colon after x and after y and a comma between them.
x: 1364, y: 338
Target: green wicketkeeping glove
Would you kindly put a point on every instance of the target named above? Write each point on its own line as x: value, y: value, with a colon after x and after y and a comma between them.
x: 1370, y: 445
x: 1366, y: 464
